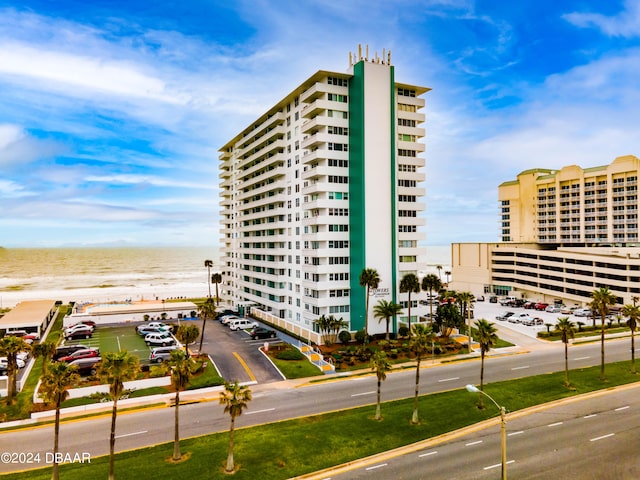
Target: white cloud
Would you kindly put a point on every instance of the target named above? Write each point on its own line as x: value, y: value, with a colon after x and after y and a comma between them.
x: 18, y: 147
x: 625, y: 24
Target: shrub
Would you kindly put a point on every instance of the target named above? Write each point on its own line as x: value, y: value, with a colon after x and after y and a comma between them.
x: 344, y: 337
x: 403, y: 331
x: 360, y: 336
x: 290, y: 354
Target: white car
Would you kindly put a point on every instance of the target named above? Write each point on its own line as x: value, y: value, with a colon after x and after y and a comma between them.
x: 582, y: 312
x: 523, y: 318
x: 242, y: 324
x: 4, y: 363
x: 554, y: 308
x: 160, y: 339
x: 230, y: 318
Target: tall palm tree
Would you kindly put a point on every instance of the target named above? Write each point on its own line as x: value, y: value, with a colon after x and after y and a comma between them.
x: 209, y: 265
x: 431, y: 283
x: 602, y: 299
x: 409, y: 284
x: 54, y: 389
x: 632, y: 312
x: 567, y: 331
x: 207, y: 311
x: 381, y: 366
x: 487, y: 338
x: 217, y: 279
x: 180, y: 375
x: 115, y: 369
x: 466, y: 299
x: 419, y: 343
x: 386, y: 310
x: 370, y: 279
x: 447, y: 274
x: 10, y: 347
x: 44, y: 350
x: 235, y: 398
x: 187, y: 334
x: 439, y: 268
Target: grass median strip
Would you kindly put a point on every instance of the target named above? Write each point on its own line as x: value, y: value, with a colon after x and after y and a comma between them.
x: 290, y: 448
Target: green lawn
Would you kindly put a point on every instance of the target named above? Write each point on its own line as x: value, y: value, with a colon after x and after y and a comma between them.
x: 286, y: 449
x: 116, y: 339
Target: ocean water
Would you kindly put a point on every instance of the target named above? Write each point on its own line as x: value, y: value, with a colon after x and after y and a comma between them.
x: 98, y: 274
x: 109, y: 274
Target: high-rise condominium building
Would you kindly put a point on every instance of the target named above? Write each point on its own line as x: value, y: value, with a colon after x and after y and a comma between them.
x: 565, y: 233
x: 324, y: 184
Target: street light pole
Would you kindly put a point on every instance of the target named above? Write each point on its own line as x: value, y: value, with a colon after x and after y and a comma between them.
x: 503, y: 427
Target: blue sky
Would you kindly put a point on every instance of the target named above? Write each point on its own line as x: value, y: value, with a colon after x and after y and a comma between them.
x: 112, y: 112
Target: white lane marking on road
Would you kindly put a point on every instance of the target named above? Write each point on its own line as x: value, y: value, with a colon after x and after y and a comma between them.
x: 582, y: 358
x: 497, y: 465
x: 260, y: 411
x: 603, y: 436
x: 554, y: 424
x: 363, y: 393
x: 519, y: 432
x: 131, y: 434
x: 471, y: 444
x: 449, y: 379
x: 591, y: 415
x: 621, y: 408
x: 428, y: 453
x: 520, y: 368
x: 376, y: 466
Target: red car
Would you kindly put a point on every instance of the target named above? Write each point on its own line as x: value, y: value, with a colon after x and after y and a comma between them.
x: 541, y: 306
x: 86, y: 353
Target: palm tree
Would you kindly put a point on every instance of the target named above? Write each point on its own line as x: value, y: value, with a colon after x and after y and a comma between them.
x: 180, y: 375
x: 217, y: 279
x: 431, y: 283
x: 601, y: 300
x: 10, y: 347
x: 439, y: 268
x: 567, y: 331
x: 234, y: 397
x: 466, y: 299
x: 370, y: 279
x: 207, y: 311
x: 44, y: 350
x: 386, y: 310
x: 187, y: 334
x: 209, y: 265
x: 419, y: 343
x: 632, y: 312
x: 115, y: 369
x: 409, y: 284
x: 487, y: 338
x: 381, y: 366
x: 447, y: 274
x: 54, y: 389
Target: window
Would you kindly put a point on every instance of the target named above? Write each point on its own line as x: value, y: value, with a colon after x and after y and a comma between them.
x: 407, y: 198
x: 407, y: 168
x: 407, y: 183
x: 338, y: 196
x: 339, y: 309
x: 405, y: 137
x: 338, y: 243
x: 337, y: 163
x: 335, y: 97
x: 405, y: 122
x: 407, y: 213
x: 406, y: 92
x: 336, y: 277
x: 337, y: 179
x: 341, y: 82
x: 338, y: 130
x: 338, y: 212
x: 339, y: 228
x: 406, y: 153
x: 407, y: 229
x: 339, y: 293
x: 338, y: 147
x: 337, y: 114
x: 338, y: 260
x: 407, y: 108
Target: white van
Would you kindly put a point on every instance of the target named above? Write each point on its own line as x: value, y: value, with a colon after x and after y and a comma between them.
x: 242, y: 324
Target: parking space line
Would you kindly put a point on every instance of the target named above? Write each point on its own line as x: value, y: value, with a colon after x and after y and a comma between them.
x: 245, y: 366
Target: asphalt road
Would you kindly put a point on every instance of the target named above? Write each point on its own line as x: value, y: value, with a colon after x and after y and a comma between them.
x: 289, y: 399
x: 595, y: 438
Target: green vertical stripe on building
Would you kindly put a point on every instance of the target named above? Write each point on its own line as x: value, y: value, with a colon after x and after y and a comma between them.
x: 357, y: 237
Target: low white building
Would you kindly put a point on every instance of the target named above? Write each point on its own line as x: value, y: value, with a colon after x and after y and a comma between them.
x: 109, y: 313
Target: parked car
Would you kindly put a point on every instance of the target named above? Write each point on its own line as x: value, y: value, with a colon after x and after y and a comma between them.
x: 160, y: 354
x: 242, y: 324
x: 156, y: 326
x: 88, y: 323
x: 229, y: 318
x: 529, y: 305
x: 542, y: 306
x: 582, y: 312
x: 64, y: 350
x: 261, y: 332
x: 4, y: 363
x: 164, y: 339
x: 79, y: 331
x: 84, y: 353
x: 523, y: 318
x: 554, y: 308
x: 87, y: 366
x: 568, y: 310
x: 493, y: 299
x: 225, y: 312
x: 144, y: 330
x: 28, y: 337
x: 504, y: 316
